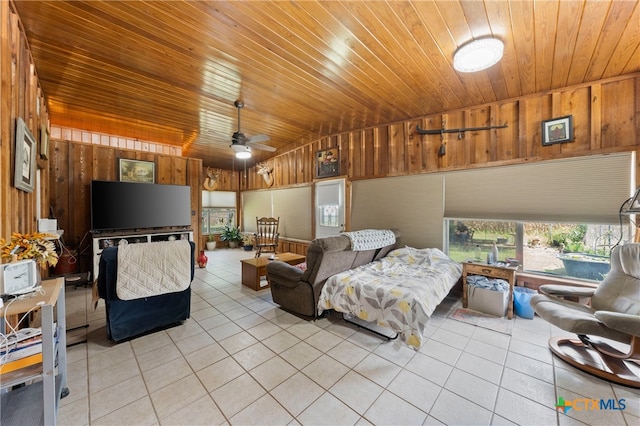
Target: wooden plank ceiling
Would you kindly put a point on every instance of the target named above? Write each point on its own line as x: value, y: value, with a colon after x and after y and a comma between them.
x: 170, y: 71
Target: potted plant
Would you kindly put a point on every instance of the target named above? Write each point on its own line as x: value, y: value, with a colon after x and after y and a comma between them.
x: 231, y: 235
x: 247, y: 241
x: 211, y: 242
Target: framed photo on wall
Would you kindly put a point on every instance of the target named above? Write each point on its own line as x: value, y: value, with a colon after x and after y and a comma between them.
x: 327, y: 162
x: 25, y: 160
x: 137, y: 171
x: 557, y: 130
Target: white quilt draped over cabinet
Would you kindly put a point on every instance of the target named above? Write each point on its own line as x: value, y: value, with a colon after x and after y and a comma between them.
x: 400, y: 291
x: 152, y: 269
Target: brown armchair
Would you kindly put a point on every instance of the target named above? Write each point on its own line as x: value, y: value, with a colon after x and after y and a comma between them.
x: 266, y: 235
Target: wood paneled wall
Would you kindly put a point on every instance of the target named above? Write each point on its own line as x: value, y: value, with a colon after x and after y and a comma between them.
x: 20, y: 96
x: 606, y: 117
x: 293, y: 246
x: 75, y: 164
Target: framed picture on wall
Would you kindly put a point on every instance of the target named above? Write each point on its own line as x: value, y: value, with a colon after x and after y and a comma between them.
x: 557, y: 130
x: 25, y: 159
x: 327, y: 163
x: 137, y: 171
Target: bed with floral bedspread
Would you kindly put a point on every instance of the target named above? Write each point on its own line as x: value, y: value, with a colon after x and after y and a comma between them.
x: 399, y: 291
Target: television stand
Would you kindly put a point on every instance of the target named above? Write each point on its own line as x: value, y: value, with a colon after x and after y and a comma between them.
x: 103, y: 240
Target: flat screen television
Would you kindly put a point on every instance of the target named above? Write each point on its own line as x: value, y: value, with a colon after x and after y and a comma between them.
x: 130, y: 205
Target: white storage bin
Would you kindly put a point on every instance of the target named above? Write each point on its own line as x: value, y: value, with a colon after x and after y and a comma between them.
x: 490, y: 302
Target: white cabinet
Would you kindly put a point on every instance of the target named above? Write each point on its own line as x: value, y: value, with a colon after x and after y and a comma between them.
x: 46, y: 381
x: 108, y: 239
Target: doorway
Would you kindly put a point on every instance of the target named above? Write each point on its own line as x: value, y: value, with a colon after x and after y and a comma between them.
x: 330, y: 207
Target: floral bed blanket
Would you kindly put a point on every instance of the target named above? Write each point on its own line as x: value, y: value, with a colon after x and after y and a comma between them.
x: 399, y: 291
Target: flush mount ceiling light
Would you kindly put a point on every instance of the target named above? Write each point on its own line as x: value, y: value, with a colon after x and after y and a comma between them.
x: 478, y: 55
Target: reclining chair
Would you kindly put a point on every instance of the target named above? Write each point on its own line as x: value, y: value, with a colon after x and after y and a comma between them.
x: 614, y: 314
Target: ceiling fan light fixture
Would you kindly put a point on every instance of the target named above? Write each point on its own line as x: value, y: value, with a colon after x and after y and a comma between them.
x: 478, y: 55
x: 243, y: 154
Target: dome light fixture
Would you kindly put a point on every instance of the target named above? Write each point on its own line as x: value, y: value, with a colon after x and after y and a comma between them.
x: 244, y: 153
x: 478, y: 55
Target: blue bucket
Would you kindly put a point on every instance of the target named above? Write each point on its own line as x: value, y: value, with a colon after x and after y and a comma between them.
x: 522, y: 302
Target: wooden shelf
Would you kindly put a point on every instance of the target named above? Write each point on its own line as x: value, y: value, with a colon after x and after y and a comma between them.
x: 37, y: 402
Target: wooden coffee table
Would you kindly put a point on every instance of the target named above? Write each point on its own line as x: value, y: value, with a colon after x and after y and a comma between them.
x: 254, y: 268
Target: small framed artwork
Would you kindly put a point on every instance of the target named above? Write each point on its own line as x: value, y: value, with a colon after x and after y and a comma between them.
x: 137, y: 171
x: 44, y: 142
x: 25, y: 161
x: 557, y: 130
x: 327, y: 163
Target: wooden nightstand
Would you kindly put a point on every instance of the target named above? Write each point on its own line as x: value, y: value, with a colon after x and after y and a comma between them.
x: 507, y: 273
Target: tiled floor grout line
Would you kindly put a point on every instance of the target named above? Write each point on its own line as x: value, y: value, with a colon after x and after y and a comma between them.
x: 223, y: 290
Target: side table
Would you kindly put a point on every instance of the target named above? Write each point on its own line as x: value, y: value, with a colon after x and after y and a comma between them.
x: 507, y: 273
x: 254, y: 268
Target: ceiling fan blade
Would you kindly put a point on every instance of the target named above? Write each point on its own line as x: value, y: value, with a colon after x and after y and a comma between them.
x: 258, y: 138
x: 261, y: 147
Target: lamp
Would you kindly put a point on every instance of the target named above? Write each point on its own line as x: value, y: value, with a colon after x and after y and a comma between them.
x: 632, y: 205
x: 478, y: 54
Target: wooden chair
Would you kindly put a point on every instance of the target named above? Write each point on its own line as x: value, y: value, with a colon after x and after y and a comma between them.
x: 266, y: 235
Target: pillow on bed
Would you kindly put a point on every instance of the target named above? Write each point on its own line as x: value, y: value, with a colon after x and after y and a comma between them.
x: 416, y: 256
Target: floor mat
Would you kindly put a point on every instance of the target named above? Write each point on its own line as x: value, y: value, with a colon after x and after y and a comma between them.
x: 501, y: 325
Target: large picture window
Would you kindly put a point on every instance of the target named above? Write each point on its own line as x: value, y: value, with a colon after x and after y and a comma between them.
x: 558, y: 217
x: 214, y: 219
x: 572, y: 250
x: 218, y: 210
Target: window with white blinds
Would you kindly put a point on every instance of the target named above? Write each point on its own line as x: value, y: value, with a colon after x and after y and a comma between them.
x: 255, y: 204
x: 291, y: 205
x: 218, y: 199
x: 576, y: 190
x: 413, y: 204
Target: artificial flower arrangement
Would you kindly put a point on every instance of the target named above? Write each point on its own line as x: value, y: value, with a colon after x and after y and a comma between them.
x: 247, y: 239
x: 30, y: 246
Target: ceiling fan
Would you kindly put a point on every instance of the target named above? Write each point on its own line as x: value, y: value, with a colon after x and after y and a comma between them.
x: 242, y: 144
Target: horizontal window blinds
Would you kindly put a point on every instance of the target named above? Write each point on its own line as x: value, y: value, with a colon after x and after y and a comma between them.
x: 577, y: 190
x: 328, y: 193
x: 413, y: 204
x: 255, y: 204
x: 291, y: 205
x: 218, y: 199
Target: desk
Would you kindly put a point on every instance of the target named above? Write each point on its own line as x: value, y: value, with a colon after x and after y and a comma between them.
x: 37, y: 403
x: 507, y: 273
x: 253, y: 269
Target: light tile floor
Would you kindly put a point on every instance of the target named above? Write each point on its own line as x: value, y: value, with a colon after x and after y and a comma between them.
x: 241, y: 360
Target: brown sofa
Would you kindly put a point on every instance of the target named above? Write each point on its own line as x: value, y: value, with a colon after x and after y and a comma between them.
x: 298, y: 291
